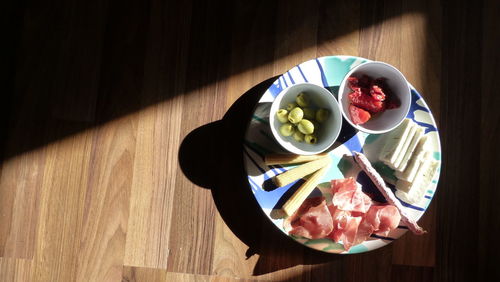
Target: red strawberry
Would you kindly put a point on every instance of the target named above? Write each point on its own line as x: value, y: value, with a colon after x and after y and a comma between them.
x: 377, y: 93
x: 366, y: 102
x: 352, y: 82
x: 358, y: 115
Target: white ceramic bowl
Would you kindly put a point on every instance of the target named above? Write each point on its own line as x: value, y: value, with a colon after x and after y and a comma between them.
x: 328, y: 131
x: 389, y: 119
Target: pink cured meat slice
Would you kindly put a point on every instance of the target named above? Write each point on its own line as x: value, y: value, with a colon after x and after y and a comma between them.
x: 340, y: 220
x: 389, y: 220
x: 383, y: 219
x: 312, y: 220
x: 348, y: 227
x: 348, y: 196
x: 350, y: 219
x: 365, y: 230
x: 349, y: 235
x: 342, y: 185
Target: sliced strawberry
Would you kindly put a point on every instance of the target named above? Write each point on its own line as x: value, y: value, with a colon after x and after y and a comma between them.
x: 377, y: 93
x: 358, y: 115
x: 352, y: 82
x: 366, y: 102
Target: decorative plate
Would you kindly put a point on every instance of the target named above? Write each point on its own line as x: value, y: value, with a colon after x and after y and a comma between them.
x: 329, y: 72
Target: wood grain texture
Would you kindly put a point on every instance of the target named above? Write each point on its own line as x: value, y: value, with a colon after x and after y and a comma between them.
x: 460, y: 65
x: 19, y: 204
x: 16, y: 269
x: 151, y: 197
x: 489, y: 220
x: 117, y: 112
x: 137, y: 274
x: 66, y: 175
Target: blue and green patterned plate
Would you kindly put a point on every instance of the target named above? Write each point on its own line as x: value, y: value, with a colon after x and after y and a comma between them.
x: 328, y: 72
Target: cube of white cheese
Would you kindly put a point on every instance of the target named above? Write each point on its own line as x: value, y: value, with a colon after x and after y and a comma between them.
x: 413, y: 192
x: 395, y: 143
x: 411, y: 148
x: 417, y: 158
x: 406, y: 146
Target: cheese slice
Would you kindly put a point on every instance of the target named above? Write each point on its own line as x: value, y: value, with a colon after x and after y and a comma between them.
x: 415, y: 191
x: 406, y: 145
x: 415, y: 161
x: 411, y: 148
x: 395, y: 142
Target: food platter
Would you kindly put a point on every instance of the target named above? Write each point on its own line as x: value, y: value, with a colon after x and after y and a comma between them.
x: 328, y: 72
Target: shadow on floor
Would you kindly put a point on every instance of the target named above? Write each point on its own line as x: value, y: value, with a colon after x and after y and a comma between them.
x: 225, y: 175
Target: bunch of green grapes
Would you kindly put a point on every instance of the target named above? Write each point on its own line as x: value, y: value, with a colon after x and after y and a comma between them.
x: 300, y: 120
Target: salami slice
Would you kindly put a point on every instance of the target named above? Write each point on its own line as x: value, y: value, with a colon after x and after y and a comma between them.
x: 388, y: 194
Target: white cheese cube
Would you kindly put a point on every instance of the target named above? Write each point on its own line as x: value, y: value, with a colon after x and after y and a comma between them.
x: 395, y: 142
x: 415, y: 192
x: 406, y: 145
x: 415, y: 161
x: 411, y: 148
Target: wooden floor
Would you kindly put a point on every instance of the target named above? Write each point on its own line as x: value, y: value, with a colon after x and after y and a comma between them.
x: 121, y: 150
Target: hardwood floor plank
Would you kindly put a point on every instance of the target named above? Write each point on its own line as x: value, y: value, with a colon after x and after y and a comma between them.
x: 416, y: 250
x: 460, y: 157
x: 76, y: 91
x: 489, y: 219
x: 158, y: 137
x: 66, y: 174
x: 30, y: 104
x: 230, y: 257
x: 191, y: 239
x: 338, y: 28
x: 136, y: 274
x: 101, y: 248
x: 296, y: 35
x: 380, y: 32
x: 411, y: 273
x: 20, y: 190
x: 16, y: 270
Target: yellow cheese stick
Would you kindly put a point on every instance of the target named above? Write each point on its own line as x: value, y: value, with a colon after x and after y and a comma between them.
x: 298, y: 172
x: 301, y: 194
x: 273, y: 159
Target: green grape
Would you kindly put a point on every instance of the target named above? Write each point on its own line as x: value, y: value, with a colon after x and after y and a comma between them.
x: 309, y: 113
x: 298, y: 136
x: 287, y: 129
x: 322, y: 115
x: 295, y: 115
x: 305, y: 126
x: 282, y: 115
x: 311, y: 139
x: 290, y: 106
x: 302, y: 100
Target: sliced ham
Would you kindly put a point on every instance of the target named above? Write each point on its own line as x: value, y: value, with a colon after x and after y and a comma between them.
x: 340, y: 220
x: 383, y: 219
x: 349, y: 237
x: 355, y: 217
x: 348, y: 196
x: 312, y: 220
x: 365, y: 230
x: 350, y: 219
